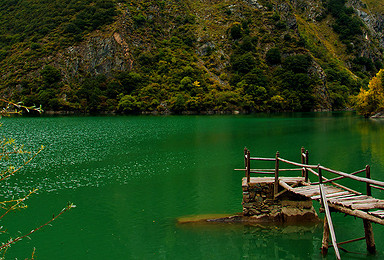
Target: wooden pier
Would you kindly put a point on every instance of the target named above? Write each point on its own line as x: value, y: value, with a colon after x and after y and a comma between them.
x: 333, y: 196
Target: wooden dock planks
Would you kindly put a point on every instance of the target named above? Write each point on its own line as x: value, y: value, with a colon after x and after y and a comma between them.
x: 342, y: 198
x: 312, y: 191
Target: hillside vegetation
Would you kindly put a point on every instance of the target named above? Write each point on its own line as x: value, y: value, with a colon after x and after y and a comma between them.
x: 184, y: 55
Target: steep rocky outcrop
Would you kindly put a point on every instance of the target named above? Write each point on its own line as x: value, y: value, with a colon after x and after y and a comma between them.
x: 98, y: 55
x: 373, y: 19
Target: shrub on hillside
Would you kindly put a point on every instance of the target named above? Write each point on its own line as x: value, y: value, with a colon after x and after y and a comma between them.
x: 370, y: 101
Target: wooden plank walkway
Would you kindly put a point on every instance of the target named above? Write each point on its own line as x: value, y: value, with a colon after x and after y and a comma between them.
x: 361, y: 206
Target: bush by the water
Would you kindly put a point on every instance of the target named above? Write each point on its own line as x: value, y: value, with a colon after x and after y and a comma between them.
x: 370, y: 101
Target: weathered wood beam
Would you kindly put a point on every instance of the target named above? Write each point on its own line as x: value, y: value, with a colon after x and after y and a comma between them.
x: 248, y: 167
x: 377, y: 205
x: 262, y: 159
x: 357, y: 178
x: 325, y: 241
x: 341, y: 177
x: 302, y: 161
x: 286, y: 187
x: 349, y: 241
x: 276, y: 184
x: 299, y: 164
x: 357, y: 213
x: 369, y: 239
x: 329, y: 220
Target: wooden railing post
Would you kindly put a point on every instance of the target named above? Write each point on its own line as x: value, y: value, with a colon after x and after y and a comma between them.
x: 368, y: 175
x: 276, y: 185
x: 248, y: 172
x: 320, y: 175
x: 306, y: 162
x: 302, y: 161
x: 245, y: 157
x: 369, y: 238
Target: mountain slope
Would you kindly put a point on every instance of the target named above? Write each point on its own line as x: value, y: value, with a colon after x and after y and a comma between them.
x: 250, y: 55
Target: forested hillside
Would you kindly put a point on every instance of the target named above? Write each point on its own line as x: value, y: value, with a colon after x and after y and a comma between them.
x: 184, y: 55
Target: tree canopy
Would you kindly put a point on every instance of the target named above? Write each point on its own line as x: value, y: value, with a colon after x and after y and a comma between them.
x: 371, y: 101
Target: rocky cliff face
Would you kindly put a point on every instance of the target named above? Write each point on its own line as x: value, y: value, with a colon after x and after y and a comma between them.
x: 312, y: 10
x: 98, y: 55
x: 372, y: 19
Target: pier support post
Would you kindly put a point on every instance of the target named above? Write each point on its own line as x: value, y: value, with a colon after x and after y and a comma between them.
x: 368, y: 175
x: 248, y: 167
x: 276, y: 184
x: 302, y: 160
x: 306, y: 162
x: 369, y: 239
x: 325, y: 242
x: 245, y: 157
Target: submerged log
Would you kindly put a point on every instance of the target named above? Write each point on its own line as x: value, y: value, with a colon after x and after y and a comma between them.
x: 288, y: 216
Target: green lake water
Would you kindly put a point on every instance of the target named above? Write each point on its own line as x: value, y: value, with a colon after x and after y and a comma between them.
x: 132, y: 177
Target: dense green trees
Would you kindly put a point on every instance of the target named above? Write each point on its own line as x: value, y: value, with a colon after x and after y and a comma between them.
x: 346, y: 25
x: 31, y: 21
x: 273, y: 56
x: 243, y: 59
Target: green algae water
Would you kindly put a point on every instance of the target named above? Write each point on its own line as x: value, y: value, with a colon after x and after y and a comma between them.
x: 132, y: 177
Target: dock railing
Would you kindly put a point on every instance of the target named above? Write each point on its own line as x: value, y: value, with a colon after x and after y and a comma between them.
x: 305, y: 168
x: 318, y: 170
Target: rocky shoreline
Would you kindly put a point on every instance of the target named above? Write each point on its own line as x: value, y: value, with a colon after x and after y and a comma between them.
x: 208, y: 112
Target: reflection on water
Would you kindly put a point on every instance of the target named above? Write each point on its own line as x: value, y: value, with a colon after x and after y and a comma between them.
x: 276, y: 242
x: 372, y: 138
x: 133, y: 177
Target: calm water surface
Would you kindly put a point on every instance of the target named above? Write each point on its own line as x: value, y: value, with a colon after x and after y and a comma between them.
x: 131, y: 177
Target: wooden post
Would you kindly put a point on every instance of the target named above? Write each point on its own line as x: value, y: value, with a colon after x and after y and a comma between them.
x: 320, y: 175
x: 368, y: 175
x: 328, y: 218
x: 245, y: 160
x: 325, y: 242
x: 276, y: 185
x: 369, y: 239
x: 248, y: 167
x: 306, y: 162
x: 302, y: 160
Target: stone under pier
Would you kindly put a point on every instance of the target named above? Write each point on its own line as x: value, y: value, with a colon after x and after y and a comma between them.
x: 260, y: 206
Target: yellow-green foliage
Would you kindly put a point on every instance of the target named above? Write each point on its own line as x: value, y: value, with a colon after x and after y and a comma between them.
x: 321, y: 39
x: 371, y: 100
